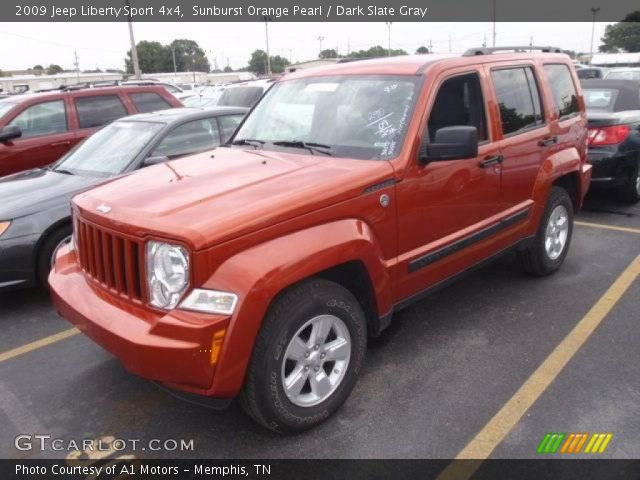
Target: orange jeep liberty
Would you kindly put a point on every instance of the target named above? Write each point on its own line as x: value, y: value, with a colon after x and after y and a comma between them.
x: 259, y: 269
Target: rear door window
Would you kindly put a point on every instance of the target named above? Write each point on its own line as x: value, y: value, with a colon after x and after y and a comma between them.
x: 43, y: 118
x: 191, y: 137
x: 563, y: 89
x: 148, y: 102
x: 99, y: 110
x: 518, y: 98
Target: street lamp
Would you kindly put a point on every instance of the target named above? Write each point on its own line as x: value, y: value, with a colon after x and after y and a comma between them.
x: 134, y: 50
x: 494, y: 24
x: 389, y: 37
x: 594, y: 11
x: 266, y: 34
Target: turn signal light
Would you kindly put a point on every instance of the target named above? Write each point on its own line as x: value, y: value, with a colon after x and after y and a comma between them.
x: 4, y: 226
x: 216, y: 346
x: 608, y: 135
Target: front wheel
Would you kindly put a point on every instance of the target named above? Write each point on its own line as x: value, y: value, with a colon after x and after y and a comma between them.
x: 630, y: 191
x: 551, y: 244
x: 47, y: 255
x: 307, y: 357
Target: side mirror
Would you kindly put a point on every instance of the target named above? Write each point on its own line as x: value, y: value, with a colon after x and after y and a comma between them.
x: 9, y: 133
x: 154, y: 160
x: 451, y: 143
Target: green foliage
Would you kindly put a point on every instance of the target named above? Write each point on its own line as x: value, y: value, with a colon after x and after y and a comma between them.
x: 328, y: 53
x: 54, y: 69
x: 153, y: 57
x: 422, y: 50
x: 228, y: 69
x: 258, y: 63
x: 377, y: 52
x: 623, y: 36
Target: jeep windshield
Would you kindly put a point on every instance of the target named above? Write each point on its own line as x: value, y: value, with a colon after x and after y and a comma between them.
x: 109, y: 151
x: 354, y: 116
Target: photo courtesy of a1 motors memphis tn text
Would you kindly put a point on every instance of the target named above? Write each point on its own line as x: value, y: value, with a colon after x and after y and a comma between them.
x: 318, y: 240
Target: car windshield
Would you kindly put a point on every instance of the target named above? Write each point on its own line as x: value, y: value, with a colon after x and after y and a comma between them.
x: 624, y: 75
x: 240, y: 96
x: 600, y: 99
x: 356, y: 116
x: 110, y: 150
x: 5, y: 106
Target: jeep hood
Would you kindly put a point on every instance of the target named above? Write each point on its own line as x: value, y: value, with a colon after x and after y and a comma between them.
x: 212, y: 197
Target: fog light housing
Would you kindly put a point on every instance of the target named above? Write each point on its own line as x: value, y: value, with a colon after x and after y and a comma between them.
x: 210, y: 301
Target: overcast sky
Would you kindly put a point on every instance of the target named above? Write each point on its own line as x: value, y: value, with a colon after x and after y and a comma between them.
x: 104, y: 45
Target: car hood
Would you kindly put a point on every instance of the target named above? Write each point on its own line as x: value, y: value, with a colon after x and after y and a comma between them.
x: 209, y: 198
x: 32, y: 191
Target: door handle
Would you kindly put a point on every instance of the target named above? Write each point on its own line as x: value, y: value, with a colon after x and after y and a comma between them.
x: 487, y: 162
x: 547, y: 142
x: 64, y: 143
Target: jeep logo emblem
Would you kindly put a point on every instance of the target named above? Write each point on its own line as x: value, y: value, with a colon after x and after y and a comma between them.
x: 102, y: 208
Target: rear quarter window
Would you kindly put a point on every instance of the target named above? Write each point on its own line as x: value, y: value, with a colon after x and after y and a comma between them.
x: 99, y: 110
x: 518, y: 98
x: 148, y: 102
x: 564, y: 90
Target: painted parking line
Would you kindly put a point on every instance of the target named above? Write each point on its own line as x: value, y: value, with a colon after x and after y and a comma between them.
x: 608, y: 227
x: 30, y: 347
x: 494, y: 432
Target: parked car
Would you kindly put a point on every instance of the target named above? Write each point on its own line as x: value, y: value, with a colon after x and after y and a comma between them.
x: 38, y: 129
x: 245, y: 94
x: 34, y: 205
x: 591, y: 72
x: 174, y: 90
x: 349, y: 192
x: 623, y: 73
x: 613, y: 110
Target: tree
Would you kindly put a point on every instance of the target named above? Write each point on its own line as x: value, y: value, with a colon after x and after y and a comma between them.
x: 258, y: 63
x: 189, y: 56
x: 228, y: 69
x: 328, y: 53
x: 624, y: 35
x: 376, y: 52
x: 422, y: 50
x: 54, y: 69
x: 153, y: 57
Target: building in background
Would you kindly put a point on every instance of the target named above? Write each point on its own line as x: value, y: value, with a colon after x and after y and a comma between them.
x: 616, y: 59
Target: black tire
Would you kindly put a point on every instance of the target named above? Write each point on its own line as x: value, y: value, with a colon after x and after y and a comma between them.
x: 263, y: 396
x: 534, y: 259
x: 47, y: 249
x: 630, y: 191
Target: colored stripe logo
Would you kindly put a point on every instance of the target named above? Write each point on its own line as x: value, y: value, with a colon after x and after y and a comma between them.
x: 574, y: 443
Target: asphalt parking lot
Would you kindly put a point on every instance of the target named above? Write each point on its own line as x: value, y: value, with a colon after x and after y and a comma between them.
x: 486, y: 367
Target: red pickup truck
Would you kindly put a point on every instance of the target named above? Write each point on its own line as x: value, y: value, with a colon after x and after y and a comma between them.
x: 349, y: 192
x: 37, y: 129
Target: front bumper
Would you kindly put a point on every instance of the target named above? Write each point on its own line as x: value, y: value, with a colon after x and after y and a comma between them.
x: 171, y: 348
x: 18, y: 262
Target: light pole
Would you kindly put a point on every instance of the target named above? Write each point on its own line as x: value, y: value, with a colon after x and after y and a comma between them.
x: 134, y: 51
x: 320, y: 39
x: 594, y: 11
x: 266, y: 34
x: 389, y: 37
x: 494, y: 24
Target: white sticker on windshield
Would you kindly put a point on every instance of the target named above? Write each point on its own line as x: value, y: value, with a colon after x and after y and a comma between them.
x: 321, y: 87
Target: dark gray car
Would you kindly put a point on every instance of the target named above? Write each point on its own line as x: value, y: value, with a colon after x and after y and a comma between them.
x: 35, y: 205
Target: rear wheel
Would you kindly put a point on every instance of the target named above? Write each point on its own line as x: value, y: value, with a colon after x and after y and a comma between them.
x: 306, y: 358
x: 551, y: 244
x: 630, y: 191
x: 47, y: 255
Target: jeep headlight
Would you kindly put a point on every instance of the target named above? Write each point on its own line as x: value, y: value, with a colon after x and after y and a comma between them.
x: 167, y: 274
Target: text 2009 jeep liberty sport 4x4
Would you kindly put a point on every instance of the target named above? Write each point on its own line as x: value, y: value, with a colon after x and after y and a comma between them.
x: 348, y: 192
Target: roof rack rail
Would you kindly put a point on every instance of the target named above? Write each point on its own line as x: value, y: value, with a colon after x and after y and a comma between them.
x: 526, y: 48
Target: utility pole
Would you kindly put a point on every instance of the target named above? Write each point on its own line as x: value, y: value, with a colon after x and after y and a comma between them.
x: 449, y: 43
x: 594, y: 11
x: 76, y: 63
x: 430, y: 46
x: 531, y: 42
x: 134, y: 51
x: 320, y: 39
x: 389, y: 37
x: 266, y: 34
x: 494, y: 23
x: 173, y: 53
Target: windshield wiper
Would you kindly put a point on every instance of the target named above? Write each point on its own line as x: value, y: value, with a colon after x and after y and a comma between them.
x: 311, y: 146
x: 249, y: 141
x: 62, y: 170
